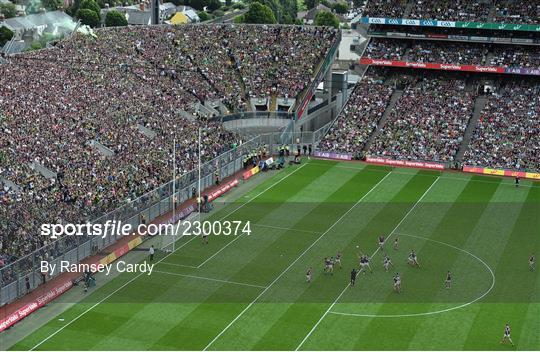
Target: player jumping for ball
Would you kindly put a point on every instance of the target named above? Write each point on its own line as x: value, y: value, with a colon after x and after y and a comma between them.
x: 326, y: 264
x: 381, y: 242
x: 387, y: 263
x: 413, y: 259
x: 506, y: 337
x: 397, y: 283
x: 364, y: 264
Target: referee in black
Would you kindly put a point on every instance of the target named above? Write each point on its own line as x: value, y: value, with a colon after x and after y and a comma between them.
x: 354, y: 272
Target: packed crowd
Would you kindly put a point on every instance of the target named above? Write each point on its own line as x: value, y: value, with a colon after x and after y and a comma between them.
x: 427, y: 123
x: 453, y: 52
x: 516, y: 56
x: 358, y: 119
x: 442, y: 32
x: 385, y: 8
x: 517, y: 11
x: 456, y: 10
x: 507, y: 135
x: 388, y: 49
x: 275, y: 59
x: 56, y: 103
x: 447, y: 52
x: 504, y: 11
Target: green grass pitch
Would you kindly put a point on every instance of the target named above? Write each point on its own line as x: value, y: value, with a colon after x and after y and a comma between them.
x: 250, y: 292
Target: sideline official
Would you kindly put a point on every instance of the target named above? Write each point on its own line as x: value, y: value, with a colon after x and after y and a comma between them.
x: 151, y: 252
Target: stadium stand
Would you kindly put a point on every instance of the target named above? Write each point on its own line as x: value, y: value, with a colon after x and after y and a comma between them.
x: 78, y: 110
x: 453, y: 52
x: 521, y: 56
x: 500, y: 11
x: 515, y: 11
x: 427, y: 123
x: 385, y: 8
x: 507, y: 135
x: 457, y: 10
x: 358, y: 119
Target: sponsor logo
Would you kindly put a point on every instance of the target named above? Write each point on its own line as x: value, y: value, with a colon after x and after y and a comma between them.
x: 428, y: 23
x: 377, y: 20
x: 411, y: 22
x: 407, y: 163
x: 446, y: 24
x: 485, y: 68
x: 451, y: 67
x: 331, y: 155
x: 382, y: 62
x: 393, y: 21
x: 416, y: 64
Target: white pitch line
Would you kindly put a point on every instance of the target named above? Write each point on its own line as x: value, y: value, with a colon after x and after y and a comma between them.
x: 96, y: 304
x: 287, y: 228
x: 237, y: 237
x: 159, y: 261
x: 294, y: 262
x: 180, y: 265
x: 210, y: 279
x: 374, y: 253
x: 435, y: 311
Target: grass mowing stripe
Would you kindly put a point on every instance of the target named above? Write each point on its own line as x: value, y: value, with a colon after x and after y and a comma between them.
x: 513, y: 295
x: 209, y: 279
x: 391, y: 207
x: 162, y: 259
x: 419, y: 285
x: 465, y: 176
x: 243, y: 205
x: 372, y: 255
x: 254, y: 212
x: 249, y: 259
x: 292, y: 319
x: 287, y: 229
x: 195, y: 318
x: 286, y: 269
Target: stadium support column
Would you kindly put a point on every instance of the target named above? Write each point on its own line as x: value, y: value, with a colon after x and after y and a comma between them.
x: 155, y: 12
x: 328, y: 84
